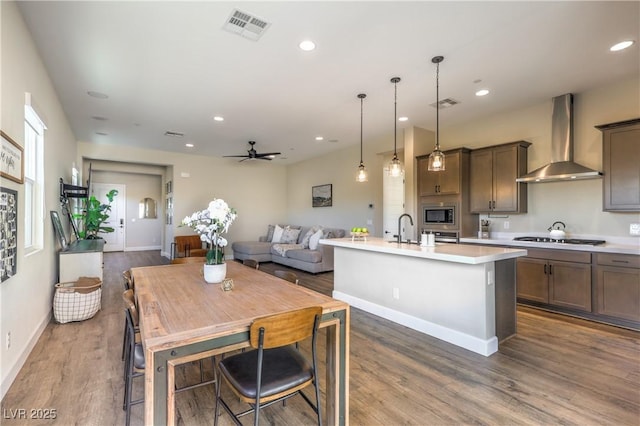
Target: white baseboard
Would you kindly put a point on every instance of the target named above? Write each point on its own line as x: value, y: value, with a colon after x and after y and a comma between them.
x: 31, y: 343
x: 474, y: 344
x: 142, y: 248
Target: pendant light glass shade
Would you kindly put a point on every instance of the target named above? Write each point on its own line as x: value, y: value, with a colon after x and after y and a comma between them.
x: 395, y: 168
x: 436, y: 158
x: 361, y: 175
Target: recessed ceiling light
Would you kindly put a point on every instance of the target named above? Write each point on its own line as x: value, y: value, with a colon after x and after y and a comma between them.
x: 218, y: 118
x: 97, y: 95
x: 319, y: 138
x: 482, y: 92
x: 403, y: 118
x: 307, y: 45
x: 188, y: 145
x: 622, y: 45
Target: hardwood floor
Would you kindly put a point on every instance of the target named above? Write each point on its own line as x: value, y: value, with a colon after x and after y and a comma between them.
x: 557, y: 370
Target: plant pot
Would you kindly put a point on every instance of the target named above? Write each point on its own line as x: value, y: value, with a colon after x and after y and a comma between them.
x: 214, y: 274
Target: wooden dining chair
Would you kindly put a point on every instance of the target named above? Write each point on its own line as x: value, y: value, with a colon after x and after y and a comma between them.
x: 191, y: 259
x: 251, y: 263
x: 287, y: 275
x: 130, y: 304
x: 127, y: 279
x: 274, y: 371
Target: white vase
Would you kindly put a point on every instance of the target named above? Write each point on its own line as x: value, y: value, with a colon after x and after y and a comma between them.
x: 215, y: 274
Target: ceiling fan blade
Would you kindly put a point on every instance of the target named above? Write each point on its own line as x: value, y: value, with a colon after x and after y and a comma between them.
x: 267, y: 154
x: 237, y: 156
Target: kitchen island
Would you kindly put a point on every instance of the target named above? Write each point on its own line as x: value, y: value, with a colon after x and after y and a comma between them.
x: 462, y: 294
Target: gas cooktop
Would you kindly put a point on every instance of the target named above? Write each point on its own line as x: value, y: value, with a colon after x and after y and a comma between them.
x: 560, y: 241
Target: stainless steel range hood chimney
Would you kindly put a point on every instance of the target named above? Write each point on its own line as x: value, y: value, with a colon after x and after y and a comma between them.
x: 561, y: 166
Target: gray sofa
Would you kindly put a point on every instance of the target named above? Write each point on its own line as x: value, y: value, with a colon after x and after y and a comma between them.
x: 295, y: 254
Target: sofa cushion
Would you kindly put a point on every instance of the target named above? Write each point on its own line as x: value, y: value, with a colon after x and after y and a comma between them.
x: 305, y: 255
x: 277, y: 234
x: 290, y: 235
x: 282, y: 249
x: 252, y: 247
x: 315, y: 238
x: 270, y: 230
x: 307, y: 236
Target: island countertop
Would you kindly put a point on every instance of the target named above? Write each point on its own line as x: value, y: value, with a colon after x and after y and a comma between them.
x: 458, y: 253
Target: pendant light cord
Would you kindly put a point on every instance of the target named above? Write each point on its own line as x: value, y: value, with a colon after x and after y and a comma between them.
x: 438, y: 106
x: 395, y: 118
x: 361, y: 118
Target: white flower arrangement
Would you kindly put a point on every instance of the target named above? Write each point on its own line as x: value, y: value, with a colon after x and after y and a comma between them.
x: 210, y: 224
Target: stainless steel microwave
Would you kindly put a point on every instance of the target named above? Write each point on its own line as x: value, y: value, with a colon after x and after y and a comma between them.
x: 438, y: 215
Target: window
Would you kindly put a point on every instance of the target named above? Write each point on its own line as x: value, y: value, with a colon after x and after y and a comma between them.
x: 33, y: 181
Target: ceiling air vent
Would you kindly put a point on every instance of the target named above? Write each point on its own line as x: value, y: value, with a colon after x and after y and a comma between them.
x: 246, y: 25
x: 446, y: 103
x: 173, y: 134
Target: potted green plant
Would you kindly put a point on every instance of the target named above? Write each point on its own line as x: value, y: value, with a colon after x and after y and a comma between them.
x: 94, y: 215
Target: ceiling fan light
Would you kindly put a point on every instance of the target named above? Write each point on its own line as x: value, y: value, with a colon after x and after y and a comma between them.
x: 436, y: 161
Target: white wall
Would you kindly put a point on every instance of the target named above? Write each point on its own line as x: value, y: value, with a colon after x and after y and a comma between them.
x: 578, y: 203
x: 140, y: 234
x: 255, y: 189
x: 25, y: 299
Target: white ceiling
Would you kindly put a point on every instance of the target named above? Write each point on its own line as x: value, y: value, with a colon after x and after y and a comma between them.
x: 169, y: 66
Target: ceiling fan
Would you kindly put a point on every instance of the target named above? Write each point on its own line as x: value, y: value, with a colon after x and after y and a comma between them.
x: 252, y: 154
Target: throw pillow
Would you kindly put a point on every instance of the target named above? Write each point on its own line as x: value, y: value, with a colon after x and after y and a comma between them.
x: 313, y: 241
x: 277, y: 234
x: 290, y: 235
x: 270, y: 230
x: 307, y: 236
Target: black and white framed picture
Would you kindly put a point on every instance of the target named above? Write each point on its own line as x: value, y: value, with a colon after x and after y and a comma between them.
x: 8, y: 233
x: 321, y: 195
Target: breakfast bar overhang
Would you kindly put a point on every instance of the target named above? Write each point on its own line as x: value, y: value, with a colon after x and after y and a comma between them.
x: 462, y: 294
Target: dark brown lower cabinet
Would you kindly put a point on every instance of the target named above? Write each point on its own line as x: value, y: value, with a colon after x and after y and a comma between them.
x: 556, y: 278
x: 617, y: 288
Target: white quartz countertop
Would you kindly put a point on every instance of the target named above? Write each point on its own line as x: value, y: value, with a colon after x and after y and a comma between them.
x: 604, y: 248
x: 458, y: 253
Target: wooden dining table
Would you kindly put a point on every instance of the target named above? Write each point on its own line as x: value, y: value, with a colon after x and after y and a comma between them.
x: 183, y: 319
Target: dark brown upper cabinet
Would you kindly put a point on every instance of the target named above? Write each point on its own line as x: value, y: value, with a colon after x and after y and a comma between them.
x: 493, y: 186
x: 621, y: 166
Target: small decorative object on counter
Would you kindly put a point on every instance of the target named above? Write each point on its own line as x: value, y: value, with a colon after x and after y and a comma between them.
x: 484, y: 229
x: 227, y: 284
x: 359, y: 234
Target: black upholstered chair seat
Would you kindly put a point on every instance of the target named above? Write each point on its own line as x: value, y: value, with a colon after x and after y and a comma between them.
x: 138, y: 357
x: 283, y: 368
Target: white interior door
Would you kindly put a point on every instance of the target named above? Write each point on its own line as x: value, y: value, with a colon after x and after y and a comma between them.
x: 114, y: 241
x: 393, y: 204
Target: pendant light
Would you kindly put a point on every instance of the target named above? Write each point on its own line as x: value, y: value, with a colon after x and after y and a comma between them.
x: 436, y: 158
x: 362, y: 172
x: 395, y: 168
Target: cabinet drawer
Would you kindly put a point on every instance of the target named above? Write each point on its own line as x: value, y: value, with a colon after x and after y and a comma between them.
x: 561, y: 255
x: 621, y: 260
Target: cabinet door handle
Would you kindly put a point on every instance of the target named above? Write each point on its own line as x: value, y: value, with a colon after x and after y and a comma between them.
x: 545, y: 269
x: 489, y: 204
x: 494, y: 205
x: 550, y: 270
x: 619, y: 261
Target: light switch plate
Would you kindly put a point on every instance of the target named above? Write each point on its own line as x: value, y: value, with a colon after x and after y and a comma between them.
x: 634, y: 229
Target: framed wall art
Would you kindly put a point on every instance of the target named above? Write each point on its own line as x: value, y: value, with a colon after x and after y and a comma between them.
x: 8, y: 233
x: 321, y: 195
x: 57, y: 226
x: 11, y: 159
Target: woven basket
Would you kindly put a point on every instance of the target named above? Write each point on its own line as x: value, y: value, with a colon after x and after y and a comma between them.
x: 77, y: 300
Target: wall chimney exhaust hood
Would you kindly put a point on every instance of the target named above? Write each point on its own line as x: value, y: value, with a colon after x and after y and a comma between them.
x: 561, y: 166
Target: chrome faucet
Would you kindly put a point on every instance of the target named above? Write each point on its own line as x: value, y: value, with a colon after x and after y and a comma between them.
x: 400, y: 225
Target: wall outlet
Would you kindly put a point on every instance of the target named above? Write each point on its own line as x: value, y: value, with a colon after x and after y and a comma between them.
x: 396, y: 293
x: 634, y: 229
x: 506, y: 225
x: 8, y: 340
